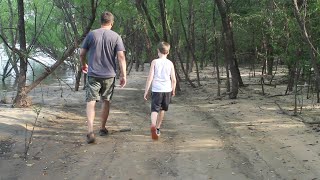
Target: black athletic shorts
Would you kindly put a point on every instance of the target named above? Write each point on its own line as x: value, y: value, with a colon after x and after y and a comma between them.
x: 160, y: 101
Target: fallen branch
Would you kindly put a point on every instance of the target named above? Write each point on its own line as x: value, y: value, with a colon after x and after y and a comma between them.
x: 277, y: 95
x: 304, y: 120
x: 282, y: 110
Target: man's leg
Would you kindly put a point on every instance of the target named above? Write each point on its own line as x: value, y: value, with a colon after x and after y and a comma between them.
x: 90, y: 115
x: 105, y: 113
x: 106, y: 95
x: 160, y: 118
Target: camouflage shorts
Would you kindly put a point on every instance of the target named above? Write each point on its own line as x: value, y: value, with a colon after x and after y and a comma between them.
x: 99, y: 87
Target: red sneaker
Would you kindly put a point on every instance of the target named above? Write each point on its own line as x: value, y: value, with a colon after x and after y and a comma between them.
x: 154, y: 133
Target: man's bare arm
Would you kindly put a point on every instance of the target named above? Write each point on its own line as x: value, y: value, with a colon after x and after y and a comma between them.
x: 123, y: 68
x: 83, y: 53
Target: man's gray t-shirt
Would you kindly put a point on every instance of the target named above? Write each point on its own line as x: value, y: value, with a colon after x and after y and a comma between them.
x: 102, y: 46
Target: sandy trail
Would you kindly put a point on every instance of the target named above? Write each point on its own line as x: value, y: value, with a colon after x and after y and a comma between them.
x: 202, y: 138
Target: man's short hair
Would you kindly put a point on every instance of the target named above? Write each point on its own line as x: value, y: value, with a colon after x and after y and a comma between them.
x: 164, y: 47
x: 107, y: 18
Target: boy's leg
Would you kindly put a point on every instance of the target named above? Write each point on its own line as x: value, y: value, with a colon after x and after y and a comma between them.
x: 105, y: 109
x: 155, y: 109
x: 164, y: 107
x: 160, y: 118
x: 90, y: 115
x: 154, y: 117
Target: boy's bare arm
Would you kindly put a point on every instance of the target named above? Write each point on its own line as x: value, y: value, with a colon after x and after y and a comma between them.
x: 173, y: 81
x: 149, y: 80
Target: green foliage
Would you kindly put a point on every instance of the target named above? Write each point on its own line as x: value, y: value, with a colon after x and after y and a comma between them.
x: 8, y: 17
x: 254, y: 22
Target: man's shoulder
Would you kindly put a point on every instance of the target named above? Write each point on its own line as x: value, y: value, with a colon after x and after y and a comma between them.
x: 95, y: 31
x: 112, y: 33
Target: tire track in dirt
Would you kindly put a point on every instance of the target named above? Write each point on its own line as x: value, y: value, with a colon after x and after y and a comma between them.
x: 234, y: 149
x: 201, y: 145
x: 261, y: 146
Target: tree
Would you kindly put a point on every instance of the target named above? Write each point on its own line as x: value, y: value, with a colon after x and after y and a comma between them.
x: 21, y: 99
x: 298, y: 4
x: 229, y: 47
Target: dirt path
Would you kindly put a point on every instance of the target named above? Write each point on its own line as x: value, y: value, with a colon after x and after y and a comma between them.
x: 202, y: 138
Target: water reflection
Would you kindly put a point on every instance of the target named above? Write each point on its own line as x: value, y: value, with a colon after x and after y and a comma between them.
x: 63, y: 74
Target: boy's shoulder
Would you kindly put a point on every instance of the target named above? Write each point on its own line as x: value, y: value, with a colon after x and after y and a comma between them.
x: 159, y: 59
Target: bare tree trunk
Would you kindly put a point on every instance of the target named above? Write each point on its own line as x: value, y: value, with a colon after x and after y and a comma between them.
x: 172, y: 42
x: 204, y: 57
x: 203, y: 60
x: 256, y: 55
x: 21, y: 97
x: 226, y: 65
x: 291, y: 76
x: 176, y: 41
x: 162, y: 6
x: 313, y: 52
x: 229, y: 51
x: 184, y: 71
x: 191, y: 33
x: 189, y: 44
x: 269, y: 39
x: 148, y: 43
x: 144, y: 11
x: 176, y: 68
x: 236, y: 68
x: 216, y: 51
x: 78, y: 78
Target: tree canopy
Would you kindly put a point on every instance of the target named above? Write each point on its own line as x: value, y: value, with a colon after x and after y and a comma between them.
x: 202, y: 33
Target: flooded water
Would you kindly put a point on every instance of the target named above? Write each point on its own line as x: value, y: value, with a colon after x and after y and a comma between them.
x: 63, y: 74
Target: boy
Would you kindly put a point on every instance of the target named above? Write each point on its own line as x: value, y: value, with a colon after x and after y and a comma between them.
x: 163, y: 79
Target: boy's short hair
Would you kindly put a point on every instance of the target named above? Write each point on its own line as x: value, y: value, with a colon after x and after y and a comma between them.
x: 106, y: 18
x: 164, y: 47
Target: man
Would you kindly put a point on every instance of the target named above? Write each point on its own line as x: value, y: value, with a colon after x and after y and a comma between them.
x: 102, y: 46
